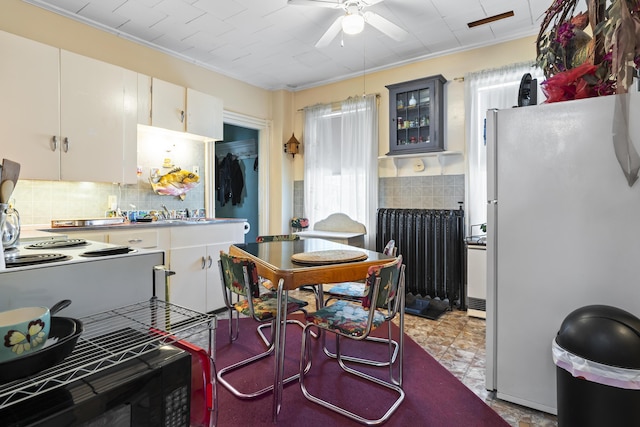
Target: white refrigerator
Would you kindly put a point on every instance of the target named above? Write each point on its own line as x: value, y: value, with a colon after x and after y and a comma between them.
x: 563, y: 232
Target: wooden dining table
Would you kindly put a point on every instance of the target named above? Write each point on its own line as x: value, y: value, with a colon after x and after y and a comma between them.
x: 274, y: 262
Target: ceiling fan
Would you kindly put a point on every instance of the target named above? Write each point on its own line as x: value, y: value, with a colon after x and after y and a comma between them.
x: 352, y: 22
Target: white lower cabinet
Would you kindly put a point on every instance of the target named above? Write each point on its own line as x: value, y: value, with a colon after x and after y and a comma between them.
x: 194, y: 255
x: 188, y: 288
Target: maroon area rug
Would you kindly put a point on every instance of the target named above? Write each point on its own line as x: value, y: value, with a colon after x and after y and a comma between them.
x: 434, y: 397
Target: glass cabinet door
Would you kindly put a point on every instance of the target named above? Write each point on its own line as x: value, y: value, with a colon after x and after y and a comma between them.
x: 416, y: 116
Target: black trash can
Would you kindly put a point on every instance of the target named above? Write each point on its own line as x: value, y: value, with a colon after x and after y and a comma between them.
x: 597, y: 357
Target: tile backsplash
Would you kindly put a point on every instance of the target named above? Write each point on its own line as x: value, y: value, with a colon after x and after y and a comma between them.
x: 38, y: 202
x: 420, y: 192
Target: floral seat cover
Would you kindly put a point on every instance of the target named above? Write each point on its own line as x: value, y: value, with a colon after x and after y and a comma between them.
x: 277, y: 238
x: 350, y: 318
x: 356, y: 290
x: 265, y: 305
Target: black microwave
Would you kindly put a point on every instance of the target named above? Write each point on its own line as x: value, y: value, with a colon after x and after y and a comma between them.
x: 153, y: 389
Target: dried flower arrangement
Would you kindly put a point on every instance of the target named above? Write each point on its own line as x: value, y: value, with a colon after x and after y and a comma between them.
x: 579, y: 65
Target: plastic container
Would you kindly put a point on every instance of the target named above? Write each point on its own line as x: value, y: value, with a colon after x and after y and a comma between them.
x: 597, y: 357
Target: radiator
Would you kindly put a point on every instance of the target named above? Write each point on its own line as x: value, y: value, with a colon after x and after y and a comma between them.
x: 431, y: 243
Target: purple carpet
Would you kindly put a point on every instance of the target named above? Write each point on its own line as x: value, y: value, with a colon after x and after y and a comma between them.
x: 434, y: 397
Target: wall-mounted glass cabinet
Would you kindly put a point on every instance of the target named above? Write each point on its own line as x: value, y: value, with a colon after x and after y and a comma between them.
x: 416, y: 116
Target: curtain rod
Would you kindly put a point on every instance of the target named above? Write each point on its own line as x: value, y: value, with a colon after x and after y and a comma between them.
x: 336, y: 104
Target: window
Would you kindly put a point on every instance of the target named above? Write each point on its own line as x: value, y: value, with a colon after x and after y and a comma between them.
x: 484, y: 90
x: 340, y: 162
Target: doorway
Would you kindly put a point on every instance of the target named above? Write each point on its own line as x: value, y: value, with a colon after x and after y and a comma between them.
x: 238, y: 151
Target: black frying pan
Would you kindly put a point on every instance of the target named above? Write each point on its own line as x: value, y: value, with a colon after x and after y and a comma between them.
x: 66, y: 330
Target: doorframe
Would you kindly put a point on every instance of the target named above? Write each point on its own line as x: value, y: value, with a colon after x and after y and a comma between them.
x: 264, y: 136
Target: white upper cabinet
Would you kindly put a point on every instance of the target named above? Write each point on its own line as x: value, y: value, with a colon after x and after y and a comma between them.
x: 181, y: 109
x: 144, y: 100
x: 65, y: 116
x: 204, y: 115
x: 29, y: 106
x: 168, y: 105
x: 98, y: 120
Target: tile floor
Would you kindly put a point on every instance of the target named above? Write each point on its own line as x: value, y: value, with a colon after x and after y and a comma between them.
x: 457, y: 341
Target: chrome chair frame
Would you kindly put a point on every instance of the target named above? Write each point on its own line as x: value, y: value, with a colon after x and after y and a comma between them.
x: 273, y: 238
x: 233, y: 335
x: 390, y: 249
x: 396, y: 306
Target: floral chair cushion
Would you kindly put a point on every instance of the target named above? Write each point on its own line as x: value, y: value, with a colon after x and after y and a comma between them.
x: 277, y: 238
x: 234, y: 270
x: 348, y: 289
x: 299, y: 223
x: 266, y: 307
x: 356, y: 290
x: 268, y: 284
x: 346, y: 317
x: 351, y: 318
x: 389, y: 249
x: 389, y: 275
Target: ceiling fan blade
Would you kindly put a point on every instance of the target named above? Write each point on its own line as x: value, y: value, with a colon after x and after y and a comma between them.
x: 332, y: 4
x: 385, y: 26
x: 331, y: 33
x: 367, y: 3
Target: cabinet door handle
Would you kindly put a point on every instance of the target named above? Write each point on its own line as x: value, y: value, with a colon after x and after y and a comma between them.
x: 135, y: 240
x: 204, y: 263
x: 65, y: 144
x: 182, y: 116
x: 210, y: 261
x: 54, y: 143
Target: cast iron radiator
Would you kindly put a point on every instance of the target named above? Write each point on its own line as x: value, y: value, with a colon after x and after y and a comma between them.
x: 431, y: 243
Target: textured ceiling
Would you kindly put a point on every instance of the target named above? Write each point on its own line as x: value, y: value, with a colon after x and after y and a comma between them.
x: 271, y: 44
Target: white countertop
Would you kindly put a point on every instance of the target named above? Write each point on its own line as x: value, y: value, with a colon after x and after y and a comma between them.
x: 29, y: 233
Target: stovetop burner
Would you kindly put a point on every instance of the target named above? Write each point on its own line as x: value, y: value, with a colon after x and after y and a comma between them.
x: 50, y: 244
x: 24, y: 260
x: 115, y: 250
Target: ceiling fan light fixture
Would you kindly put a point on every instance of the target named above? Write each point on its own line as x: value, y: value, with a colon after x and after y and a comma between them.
x: 353, y: 23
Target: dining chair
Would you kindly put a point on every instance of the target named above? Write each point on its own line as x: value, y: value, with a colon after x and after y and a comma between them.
x: 274, y: 238
x: 356, y: 291
x: 282, y: 238
x: 384, y: 300
x: 244, y: 295
x: 277, y: 238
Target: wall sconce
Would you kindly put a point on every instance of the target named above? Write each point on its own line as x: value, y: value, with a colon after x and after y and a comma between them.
x: 292, y: 146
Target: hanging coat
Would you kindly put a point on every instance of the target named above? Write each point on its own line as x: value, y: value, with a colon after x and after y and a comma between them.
x: 224, y: 175
x: 237, y: 182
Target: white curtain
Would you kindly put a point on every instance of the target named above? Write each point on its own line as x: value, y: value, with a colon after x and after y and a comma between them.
x: 484, y: 90
x: 340, y: 162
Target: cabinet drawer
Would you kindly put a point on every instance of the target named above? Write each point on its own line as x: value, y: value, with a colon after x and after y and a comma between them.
x: 192, y: 235
x: 147, y: 239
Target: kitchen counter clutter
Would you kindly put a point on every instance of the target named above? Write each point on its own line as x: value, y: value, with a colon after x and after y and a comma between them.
x: 101, y: 223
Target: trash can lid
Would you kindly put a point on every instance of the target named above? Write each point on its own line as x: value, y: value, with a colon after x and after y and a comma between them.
x: 603, y: 334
